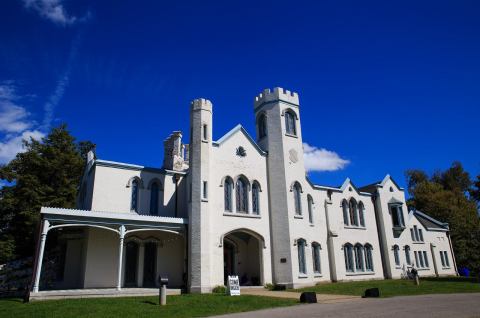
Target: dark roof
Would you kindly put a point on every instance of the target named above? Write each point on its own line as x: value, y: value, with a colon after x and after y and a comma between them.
x: 428, y: 222
x: 371, y: 188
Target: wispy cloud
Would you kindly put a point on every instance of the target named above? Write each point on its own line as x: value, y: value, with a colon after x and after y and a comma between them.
x: 15, y: 123
x: 320, y: 159
x: 61, y: 85
x: 54, y: 11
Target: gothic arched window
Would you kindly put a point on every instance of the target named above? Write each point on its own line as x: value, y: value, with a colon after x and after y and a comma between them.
x: 242, y: 195
x: 368, y: 258
x: 290, y: 125
x: 154, y: 198
x: 302, y: 268
x: 262, y: 126
x: 310, y: 208
x: 255, y: 198
x: 317, y: 268
x: 396, y: 255
x: 348, y: 253
x: 407, y: 255
x: 345, y: 211
x: 228, y: 190
x: 134, y: 196
x: 352, y: 207
x: 361, y: 213
x: 297, y: 197
x: 359, y: 258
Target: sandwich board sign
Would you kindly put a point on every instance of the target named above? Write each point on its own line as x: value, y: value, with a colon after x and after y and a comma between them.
x: 233, y: 286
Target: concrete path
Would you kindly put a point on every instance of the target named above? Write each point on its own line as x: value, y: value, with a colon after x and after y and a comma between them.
x: 98, y: 293
x: 449, y: 305
x: 321, y: 298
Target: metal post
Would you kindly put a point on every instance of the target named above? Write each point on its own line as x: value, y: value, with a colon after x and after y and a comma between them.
x: 163, y: 295
x: 120, y: 257
x: 43, y: 239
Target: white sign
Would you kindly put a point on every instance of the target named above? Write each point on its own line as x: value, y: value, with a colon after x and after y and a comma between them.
x: 233, y: 286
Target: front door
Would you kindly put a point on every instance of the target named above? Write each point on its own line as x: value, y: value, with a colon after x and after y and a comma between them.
x: 149, y: 264
x: 131, y: 264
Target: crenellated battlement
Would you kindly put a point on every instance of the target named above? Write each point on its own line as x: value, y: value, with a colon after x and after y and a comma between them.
x: 201, y: 103
x: 277, y: 94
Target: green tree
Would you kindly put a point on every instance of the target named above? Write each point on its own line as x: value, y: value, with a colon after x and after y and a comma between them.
x: 445, y: 196
x: 46, y: 174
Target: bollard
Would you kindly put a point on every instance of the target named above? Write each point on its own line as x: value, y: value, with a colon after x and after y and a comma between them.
x: 163, y: 295
x: 163, y: 281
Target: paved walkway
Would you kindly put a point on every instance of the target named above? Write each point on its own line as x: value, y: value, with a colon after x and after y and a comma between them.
x: 321, y: 298
x: 98, y: 293
x: 449, y: 305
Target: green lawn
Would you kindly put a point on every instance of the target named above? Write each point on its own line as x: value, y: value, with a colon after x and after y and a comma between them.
x: 389, y: 288
x: 190, y: 305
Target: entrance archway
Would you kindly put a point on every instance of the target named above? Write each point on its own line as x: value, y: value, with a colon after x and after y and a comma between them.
x: 242, y: 256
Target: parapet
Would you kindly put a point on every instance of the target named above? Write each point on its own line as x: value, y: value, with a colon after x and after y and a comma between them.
x: 201, y: 103
x: 278, y: 94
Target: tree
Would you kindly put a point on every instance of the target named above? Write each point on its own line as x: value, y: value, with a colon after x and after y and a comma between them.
x: 46, y: 174
x: 445, y: 196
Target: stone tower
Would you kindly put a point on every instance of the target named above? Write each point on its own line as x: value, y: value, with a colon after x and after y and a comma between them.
x: 199, y: 245
x: 279, y: 133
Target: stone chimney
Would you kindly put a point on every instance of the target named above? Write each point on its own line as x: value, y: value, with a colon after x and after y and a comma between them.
x: 174, y: 152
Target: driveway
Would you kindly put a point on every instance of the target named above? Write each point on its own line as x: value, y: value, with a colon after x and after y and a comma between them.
x: 448, y: 305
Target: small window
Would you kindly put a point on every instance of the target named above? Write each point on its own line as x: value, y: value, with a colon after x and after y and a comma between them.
x: 134, y: 198
x: 154, y: 199
x: 442, y: 259
x: 416, y: 259
x: 256, y: 198
x: 316, y: 258
x: 445, y: 255
x: 205, y: 132
x: 359, y: 258
x: 227, y: 191
x: 420, y: 235
x: 310, y: 209
x: 302, y: 268
x: 396, y: 255
x: 205, y: 190
x: 262, y: 126
x: 412, y: 235
x: 425, y: 258
x: 348, y: 253
x: 290, y: 126
x: 368, y: 258
x: 407, y: 255
x: 297, y: 197
x: 397, y: 216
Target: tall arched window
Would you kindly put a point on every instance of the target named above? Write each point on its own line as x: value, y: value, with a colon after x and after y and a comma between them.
x: 317, y: 268
x: 310, y: 208
x: 290, y: 126
x: 396, y: 255
x: 297, y: 197
x: 368, y: 258
x: 352, y: 209
x: 154, y: 198
x: 302, y: 268
x: 134, y: 197
x: 359, y: 258
x: 407, y: 255
x: 262, y: 126
x: 345, y: 212
x: 242, y: 195
x: 348, y: 253
x: 361, y: 213
x: 255, y: 198
x: 227, y: 192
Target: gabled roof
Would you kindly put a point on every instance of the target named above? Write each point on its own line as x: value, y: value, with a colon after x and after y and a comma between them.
x: 233, y: 132
x: 372, y: 188
x: 349, y: 182
x: 430, y: 223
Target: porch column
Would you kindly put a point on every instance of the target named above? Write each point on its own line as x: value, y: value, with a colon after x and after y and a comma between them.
x: 39, y: 261
x: 120, y: 257
x: 141, y: 257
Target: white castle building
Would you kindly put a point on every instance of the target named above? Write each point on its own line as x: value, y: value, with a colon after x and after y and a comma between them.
x: 240, y: 206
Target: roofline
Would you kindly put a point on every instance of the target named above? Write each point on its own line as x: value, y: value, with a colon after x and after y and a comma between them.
x: 129, y: 166
x: 322, y: 187
x: 235, y: 129
x: 428, y: 217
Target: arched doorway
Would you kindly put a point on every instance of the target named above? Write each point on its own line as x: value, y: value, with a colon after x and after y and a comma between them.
x: 131, y: 259
x: 242, y: 256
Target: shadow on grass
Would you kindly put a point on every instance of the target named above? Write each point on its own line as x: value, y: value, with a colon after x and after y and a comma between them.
x: 149, y: 302
x: 452, y: 279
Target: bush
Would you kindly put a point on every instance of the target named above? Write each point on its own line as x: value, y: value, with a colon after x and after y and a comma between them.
x: 269, y: 286
x: 219, y: 289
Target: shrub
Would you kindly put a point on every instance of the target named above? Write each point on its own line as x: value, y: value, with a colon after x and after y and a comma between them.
x: 219, y: 289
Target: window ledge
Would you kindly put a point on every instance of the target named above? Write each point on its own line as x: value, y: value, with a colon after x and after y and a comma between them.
x: 418, y: 242
x: 291, y: 135
x: 359, y: 273
x: 317, y: 275
x: 302, y: 276
x: 205, y: 141
x: 446, y: 267
x: 355, y: 227
x: 311, y: 224
x: 204, y: 200
x: 296, y: 216
x: 244, y: 215
x: 423, y: 269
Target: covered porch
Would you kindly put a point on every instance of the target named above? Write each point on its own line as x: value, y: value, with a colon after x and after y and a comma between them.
x: 105, y: 253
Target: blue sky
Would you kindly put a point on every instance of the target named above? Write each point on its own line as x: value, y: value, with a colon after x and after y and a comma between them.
x: 384, y: 86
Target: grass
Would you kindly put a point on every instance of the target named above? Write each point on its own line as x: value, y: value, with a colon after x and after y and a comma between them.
x: 389, y: 288
x: 189, y: 305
